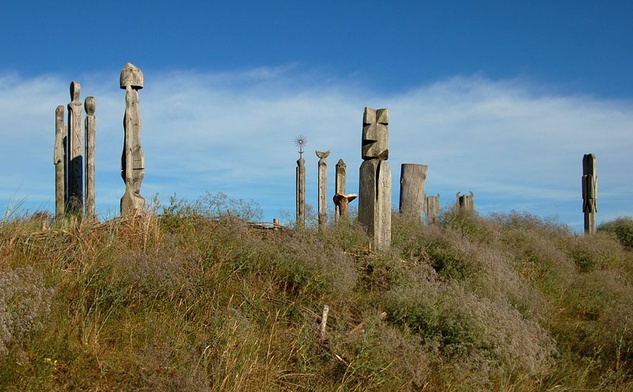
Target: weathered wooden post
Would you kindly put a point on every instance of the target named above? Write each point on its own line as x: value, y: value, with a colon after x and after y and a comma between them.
x: 466, y: 203
x: 432, y: 208
x: 132, y: 159
x: 589, y: 192
x: 341, y: 199
x: 340, y: 180
x: 374, y: 203
x: 300, y: 141
x: 74, y: 158
x: 322, y: 184
x: 412, y: 181
x: 59, y: 160
x: 90, y: 106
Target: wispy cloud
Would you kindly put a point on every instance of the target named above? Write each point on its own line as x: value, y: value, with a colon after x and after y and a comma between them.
x: 517, y: 145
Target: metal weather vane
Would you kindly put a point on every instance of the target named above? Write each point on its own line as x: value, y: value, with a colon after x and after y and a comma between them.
x: 301, y: 142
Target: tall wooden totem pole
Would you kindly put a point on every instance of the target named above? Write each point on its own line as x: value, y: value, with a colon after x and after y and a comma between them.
x: 374, y: 199
x: 69, y: 154
x: 589, y: 192
x: 132, y: 159
x: 74, y: 191
x: 322, y: 183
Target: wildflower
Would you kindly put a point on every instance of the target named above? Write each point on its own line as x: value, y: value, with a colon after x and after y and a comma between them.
x: 50, y: 361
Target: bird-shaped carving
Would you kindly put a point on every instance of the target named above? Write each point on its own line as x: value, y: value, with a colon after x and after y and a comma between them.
x: 322, y: 154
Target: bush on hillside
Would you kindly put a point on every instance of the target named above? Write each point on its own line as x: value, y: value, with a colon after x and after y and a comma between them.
x: 621, y: 228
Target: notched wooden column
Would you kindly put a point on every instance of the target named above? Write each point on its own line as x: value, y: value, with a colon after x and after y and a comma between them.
x: 132, y: 159
x: 589, y: 192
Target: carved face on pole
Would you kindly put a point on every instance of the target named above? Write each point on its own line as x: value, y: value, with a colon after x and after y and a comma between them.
x: 375, y: 143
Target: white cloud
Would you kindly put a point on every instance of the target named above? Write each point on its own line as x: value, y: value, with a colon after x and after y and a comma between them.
x: 516, y: 145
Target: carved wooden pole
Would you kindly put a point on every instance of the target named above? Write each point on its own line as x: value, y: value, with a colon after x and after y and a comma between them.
x: 59, y: 160
x: 432, y: 208
x: 132, y: 159
x: 75, y: 158
x: 412, y: 181
x: 301, y: 193
x: 322, y: 191
x: 90, y: 105
x: 340, y: 180
x: 589, y: 192
x: 466, y: 203
x: 374, y: 203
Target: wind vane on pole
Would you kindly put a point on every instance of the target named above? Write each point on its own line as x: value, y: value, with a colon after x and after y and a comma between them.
x: 301, y: 141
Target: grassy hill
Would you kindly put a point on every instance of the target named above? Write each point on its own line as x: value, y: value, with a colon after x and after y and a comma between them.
x: 180, y: 302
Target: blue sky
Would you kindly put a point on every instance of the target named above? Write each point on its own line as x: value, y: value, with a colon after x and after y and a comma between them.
x: 501, y: 98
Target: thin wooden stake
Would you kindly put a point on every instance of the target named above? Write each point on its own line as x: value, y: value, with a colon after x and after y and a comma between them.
x: 326, y: 310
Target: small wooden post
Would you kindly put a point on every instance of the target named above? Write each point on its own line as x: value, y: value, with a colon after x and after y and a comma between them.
x: 326, y: 310
x: 432, y: 208
x: 466, y: 203
x: 412, y: 181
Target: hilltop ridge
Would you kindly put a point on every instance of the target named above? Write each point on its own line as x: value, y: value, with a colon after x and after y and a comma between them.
x: 183, y: 302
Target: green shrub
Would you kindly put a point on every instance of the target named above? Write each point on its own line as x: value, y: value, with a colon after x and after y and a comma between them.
x: 621, y: 228
x: 481, y: 335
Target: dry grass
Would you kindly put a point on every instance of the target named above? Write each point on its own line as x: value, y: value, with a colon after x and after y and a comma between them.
x: 189, y: 301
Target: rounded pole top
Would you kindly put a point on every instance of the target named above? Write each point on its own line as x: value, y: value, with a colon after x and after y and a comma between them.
x: 90, y: 105
x: 75, y: 90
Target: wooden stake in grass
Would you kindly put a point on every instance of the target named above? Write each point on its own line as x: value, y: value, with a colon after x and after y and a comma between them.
x: 326, y: 310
